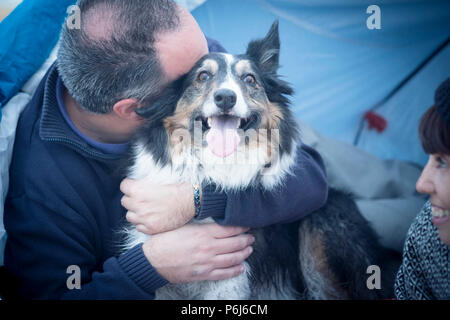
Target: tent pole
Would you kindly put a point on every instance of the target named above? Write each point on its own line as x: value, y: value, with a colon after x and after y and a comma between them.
x: 399, y: 86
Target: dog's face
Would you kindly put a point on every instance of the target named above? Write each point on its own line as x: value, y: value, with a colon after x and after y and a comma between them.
x: 225, y: 95
x: 233, y: 104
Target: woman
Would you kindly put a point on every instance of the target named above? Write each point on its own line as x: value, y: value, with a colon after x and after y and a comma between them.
x: 425, y: 270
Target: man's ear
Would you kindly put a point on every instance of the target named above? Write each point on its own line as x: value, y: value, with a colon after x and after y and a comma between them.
x: 126, y: 108
x: 265, y: 52
x: 166, y: 103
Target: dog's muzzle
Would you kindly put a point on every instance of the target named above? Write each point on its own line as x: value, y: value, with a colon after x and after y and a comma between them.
x: 225, y: 99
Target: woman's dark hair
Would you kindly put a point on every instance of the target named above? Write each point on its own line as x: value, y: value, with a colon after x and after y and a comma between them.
x: 434, y: 133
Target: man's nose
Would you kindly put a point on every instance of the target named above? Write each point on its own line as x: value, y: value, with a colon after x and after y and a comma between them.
x: 425, y: 183
x: 225, y: 99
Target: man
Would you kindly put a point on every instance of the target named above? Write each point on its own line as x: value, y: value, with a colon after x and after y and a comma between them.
x: 63, y: 210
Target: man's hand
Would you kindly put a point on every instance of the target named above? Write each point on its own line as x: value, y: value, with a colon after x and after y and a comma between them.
x: 157, y: 208
x: 198, y: 252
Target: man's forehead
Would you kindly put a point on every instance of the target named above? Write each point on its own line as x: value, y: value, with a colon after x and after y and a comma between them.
x: 179, y: 49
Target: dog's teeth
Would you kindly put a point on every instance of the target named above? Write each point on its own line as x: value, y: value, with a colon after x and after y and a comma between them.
x: 209, y: 122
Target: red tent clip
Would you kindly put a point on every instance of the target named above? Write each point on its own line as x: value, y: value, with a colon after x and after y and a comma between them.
x: 375, y: 121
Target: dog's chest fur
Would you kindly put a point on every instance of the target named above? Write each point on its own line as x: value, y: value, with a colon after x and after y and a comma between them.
x: 240, y: 287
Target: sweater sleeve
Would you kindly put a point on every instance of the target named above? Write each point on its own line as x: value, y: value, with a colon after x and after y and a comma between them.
x: 42, y: 244
x: 302, y: 192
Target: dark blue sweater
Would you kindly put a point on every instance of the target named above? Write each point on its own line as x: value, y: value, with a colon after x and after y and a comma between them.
x: 63, y: 208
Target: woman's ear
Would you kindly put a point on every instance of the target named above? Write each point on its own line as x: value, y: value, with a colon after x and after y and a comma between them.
x: 166, y: 103
x: 126, y: 109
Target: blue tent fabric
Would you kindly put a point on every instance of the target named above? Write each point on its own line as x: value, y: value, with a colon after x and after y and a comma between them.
x: 27, y: 36
x: 340, y: 69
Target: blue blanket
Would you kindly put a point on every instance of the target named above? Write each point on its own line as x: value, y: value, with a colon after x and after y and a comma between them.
x: 27, y: 36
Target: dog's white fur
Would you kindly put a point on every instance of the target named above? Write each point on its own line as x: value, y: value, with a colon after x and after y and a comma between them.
x: 227, y: 177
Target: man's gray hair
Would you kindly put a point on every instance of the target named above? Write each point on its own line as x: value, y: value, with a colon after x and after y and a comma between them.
x: 112, y: 56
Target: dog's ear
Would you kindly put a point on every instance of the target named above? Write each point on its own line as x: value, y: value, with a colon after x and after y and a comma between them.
x: 266, y: 52
x: 165, y: 104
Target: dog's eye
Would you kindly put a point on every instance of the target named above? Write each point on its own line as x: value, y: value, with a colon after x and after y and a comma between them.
x: 249, y: 79
x: 203, y: 76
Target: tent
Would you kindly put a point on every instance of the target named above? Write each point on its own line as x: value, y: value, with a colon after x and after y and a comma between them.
x: 339, y: 67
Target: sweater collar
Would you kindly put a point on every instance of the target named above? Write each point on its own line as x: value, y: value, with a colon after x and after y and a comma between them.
x: 54, y: 128
x: 116, y: 148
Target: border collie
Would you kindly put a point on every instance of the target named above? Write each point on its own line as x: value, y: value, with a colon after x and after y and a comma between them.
x: 227, y: 121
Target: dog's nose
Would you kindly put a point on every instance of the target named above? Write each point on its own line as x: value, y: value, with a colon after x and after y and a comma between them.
x: 225, y: 99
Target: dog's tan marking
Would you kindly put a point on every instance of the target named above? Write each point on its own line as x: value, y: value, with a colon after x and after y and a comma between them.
x: 242, y: 66
x: 272, y: 116
x: 177, y: 127
x: 209, y: 65
x: 180, y: 118
x: 270, y: 121
x: 313, y: 259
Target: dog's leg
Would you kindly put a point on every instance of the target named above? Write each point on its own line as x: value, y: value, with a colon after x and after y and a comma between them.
x: 337, y: 245
x: 320, y: 282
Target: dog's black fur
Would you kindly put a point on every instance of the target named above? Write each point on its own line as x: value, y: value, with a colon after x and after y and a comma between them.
x: 350, y: 247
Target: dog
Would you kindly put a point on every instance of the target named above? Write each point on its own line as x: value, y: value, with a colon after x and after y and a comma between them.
x: 228, y: 122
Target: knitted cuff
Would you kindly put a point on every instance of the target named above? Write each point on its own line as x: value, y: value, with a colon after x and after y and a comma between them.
x: 138, y: 268
x: 213, y: 203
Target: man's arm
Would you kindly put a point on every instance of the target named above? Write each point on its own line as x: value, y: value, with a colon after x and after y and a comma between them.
x: 301, y: 193
x: 153, y: 210
x: 43, y: 243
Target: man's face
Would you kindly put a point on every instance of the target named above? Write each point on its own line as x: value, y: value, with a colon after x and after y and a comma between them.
x: 435, y: 181
x: 179, y: 50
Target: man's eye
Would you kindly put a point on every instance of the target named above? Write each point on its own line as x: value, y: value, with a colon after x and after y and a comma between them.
x: 203, y: 76
x: 249, y: 79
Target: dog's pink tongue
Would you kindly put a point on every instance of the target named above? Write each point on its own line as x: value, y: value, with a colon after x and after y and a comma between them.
x: 222, y: 138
